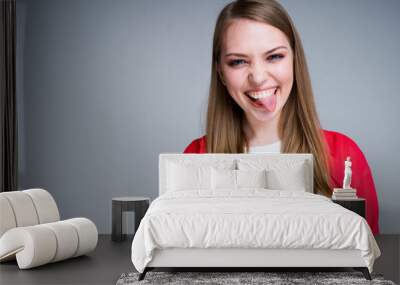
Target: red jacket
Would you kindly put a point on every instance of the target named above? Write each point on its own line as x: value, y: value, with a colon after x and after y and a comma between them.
x: 340, y: 147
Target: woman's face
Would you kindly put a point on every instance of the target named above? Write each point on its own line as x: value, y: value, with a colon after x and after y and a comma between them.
x: 257, y: 61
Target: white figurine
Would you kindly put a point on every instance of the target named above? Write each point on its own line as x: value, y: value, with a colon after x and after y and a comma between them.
x: 347, y: 174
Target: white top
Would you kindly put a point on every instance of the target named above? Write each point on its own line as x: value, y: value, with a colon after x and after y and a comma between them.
x: 268, y: 148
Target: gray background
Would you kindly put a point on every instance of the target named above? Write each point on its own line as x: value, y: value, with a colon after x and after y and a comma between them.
x: 105, y: 86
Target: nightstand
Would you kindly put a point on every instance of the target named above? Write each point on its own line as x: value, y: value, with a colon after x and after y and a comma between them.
x: 124, y: 204
x: 355, y: 205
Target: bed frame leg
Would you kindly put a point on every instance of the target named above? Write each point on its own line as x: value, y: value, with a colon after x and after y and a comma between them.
x: 364, y: 271
x: 143, y: 274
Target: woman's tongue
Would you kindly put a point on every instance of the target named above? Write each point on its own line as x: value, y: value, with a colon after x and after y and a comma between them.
x: 269, y: 102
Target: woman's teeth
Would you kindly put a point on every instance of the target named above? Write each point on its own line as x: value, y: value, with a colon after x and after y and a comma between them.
x: 261, y: 94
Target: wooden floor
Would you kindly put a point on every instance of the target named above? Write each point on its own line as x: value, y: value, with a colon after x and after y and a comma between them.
x: 111, y: 259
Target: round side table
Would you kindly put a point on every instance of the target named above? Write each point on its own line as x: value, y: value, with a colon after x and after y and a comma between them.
x: 139, y: 205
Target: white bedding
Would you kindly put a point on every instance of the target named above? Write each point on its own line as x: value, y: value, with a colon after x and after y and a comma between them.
x: 250, y: 218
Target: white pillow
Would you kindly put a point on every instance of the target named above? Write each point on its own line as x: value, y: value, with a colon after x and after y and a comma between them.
x: 282, y: 174
x: 236, y: 179
x: 223, y: 179
x: 251, y: 178
x: 292, y: 178
x: 183, y: 177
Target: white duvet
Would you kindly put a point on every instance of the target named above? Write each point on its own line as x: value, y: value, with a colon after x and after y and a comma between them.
x: 250, y: 218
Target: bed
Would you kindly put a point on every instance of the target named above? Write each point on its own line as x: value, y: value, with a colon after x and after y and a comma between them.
x: 245, y: 211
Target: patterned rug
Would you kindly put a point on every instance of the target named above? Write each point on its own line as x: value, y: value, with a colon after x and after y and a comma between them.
x: 230, y: 278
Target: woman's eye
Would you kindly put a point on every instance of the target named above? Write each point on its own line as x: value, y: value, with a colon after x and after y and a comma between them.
x: 275, y: 57
x: 236, y: 62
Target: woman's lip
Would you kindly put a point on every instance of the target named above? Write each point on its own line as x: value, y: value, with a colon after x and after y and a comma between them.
x: 261, y: 90
x: 254, y: 94
x: 255, y: 102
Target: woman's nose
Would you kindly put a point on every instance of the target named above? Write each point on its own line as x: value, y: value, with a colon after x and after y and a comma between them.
x: 258, y: 74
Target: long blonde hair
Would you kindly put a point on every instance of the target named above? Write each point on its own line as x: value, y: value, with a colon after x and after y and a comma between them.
x: 299, y: 126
